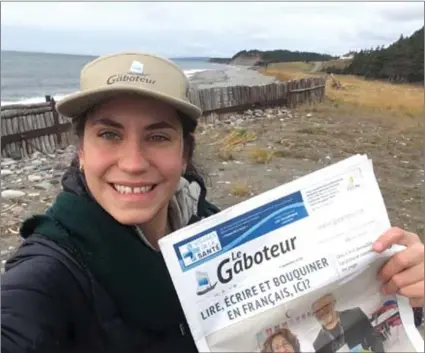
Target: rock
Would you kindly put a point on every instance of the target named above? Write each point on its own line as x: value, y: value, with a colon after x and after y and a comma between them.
x: 5, y: 172
x: 33, y: 178
x: 269, y: 111
x: 249, y: 112
x: 12, y: 194
x: 309, y: 115
x: 45, y: 185
x: 258, y: 114
x: 34, y: 194
x: 7, y: 161
x: 54, y: 181
x: 36, y: 162
x: 269, y: 116
x: 28, y: 168
x: 59, y: 173
x: 239, y: 121
x: 36, y: 155
x: 45, y: 169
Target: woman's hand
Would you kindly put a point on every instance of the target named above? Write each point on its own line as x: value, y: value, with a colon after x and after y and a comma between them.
x: 404, y: 272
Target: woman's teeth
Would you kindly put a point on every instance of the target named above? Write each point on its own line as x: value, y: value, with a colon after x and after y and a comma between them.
x: 122, y: 189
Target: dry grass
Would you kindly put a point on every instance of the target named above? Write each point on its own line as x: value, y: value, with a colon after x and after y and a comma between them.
x: 239, y: 189
x: 235, y: 138
x: 378, y: 95
x: 260, y: 155
x: 338, y: 63
x: 288, y: 71
x: 405, y: 100
x: 292, y: 66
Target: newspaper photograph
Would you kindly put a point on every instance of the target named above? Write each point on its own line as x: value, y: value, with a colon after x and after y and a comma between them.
x: 292, y: 270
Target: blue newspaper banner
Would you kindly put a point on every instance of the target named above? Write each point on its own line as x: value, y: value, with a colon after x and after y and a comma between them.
x: 228, y: 235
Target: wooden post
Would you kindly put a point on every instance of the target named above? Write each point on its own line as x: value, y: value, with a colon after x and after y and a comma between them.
x: 55, y: 118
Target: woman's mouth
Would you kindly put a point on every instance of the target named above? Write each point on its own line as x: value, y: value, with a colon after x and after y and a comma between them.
x: 128, y: 190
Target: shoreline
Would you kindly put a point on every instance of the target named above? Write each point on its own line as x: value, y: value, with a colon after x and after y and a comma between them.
x: 200, y: 78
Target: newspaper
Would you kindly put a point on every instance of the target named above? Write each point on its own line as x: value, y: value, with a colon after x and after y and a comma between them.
x: 292, y: 270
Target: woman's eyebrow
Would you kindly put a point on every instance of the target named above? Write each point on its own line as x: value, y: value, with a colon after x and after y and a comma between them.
x: 115, y: 124
x: 107, y: 122
x: 160, y: 125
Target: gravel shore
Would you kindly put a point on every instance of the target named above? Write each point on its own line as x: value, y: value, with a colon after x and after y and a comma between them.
x: 232, y: 76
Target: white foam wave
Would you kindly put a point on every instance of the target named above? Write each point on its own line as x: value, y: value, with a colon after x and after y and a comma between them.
x: 33, y: 100
x: 190, y: 73
x: 58, y: 97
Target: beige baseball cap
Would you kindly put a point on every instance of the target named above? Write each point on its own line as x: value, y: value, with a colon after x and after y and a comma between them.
x: 136, y: 73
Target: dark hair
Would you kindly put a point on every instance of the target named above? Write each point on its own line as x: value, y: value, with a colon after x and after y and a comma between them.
x: 188, y: 126
x: 289, y: 337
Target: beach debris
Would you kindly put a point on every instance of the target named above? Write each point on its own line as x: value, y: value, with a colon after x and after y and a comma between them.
x: 33, y: 178
x: 12, y: 194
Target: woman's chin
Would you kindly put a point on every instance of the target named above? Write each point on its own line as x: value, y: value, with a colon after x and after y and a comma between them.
x: 132, y: 217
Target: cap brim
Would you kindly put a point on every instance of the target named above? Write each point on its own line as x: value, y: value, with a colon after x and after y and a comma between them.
x: 77, y: 104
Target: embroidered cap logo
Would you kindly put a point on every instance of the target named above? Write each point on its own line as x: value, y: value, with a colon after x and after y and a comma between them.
x: 136, y: 67
x: 135, y: 74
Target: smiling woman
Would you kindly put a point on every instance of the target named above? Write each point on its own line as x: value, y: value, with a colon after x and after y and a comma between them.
x: 90, y: 277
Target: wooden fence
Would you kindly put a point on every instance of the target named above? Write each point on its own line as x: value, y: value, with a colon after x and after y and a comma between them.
x: 26, y: 129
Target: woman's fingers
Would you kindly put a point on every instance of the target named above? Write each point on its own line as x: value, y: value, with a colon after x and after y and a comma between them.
x: 393, y: 236
x: 410, y: 257
x: 413, y: 291
x: 404, y: 272
x: 403, y: 279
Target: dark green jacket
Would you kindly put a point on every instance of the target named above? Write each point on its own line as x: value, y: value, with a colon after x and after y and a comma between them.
x: 52, y: 302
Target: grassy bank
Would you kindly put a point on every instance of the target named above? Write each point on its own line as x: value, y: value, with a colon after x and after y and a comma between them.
x: 382, y: 97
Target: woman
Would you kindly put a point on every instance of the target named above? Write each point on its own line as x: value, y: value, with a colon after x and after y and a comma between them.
x: 282, y: 341
x: 90, y: 277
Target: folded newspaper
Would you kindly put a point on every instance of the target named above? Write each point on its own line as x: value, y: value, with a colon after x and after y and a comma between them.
x: 292, y: 270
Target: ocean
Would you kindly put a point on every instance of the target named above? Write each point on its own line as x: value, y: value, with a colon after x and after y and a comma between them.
x: 29, y: 77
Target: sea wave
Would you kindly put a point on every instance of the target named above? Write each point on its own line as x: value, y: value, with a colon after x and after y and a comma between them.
x: 58, y: 97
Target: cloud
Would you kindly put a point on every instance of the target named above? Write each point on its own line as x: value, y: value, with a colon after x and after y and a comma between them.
x: 204, y: 28
x: 404, y: 14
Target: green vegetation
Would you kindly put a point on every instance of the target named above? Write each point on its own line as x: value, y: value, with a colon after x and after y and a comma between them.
x: 401, y: 62
x: 275, y: 56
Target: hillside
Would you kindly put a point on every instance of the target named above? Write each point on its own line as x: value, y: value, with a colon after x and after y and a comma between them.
x: 263, y: 58
x: 401, y: 62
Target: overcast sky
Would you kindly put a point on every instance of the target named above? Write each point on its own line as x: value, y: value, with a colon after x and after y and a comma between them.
x: 178, y: 29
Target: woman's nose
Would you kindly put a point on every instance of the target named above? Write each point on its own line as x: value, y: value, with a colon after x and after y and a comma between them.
x: 132, y: 159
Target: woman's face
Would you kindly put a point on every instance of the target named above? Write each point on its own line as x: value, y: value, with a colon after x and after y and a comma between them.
x: 133, y: 156
x: 280, y: 344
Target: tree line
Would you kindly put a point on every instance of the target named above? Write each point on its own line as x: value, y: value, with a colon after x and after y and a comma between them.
x: 275, y: 56
x: 400, y: 62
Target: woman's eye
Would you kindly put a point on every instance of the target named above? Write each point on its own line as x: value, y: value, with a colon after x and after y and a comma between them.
x: 109, y: 135
x: 159, y: 138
